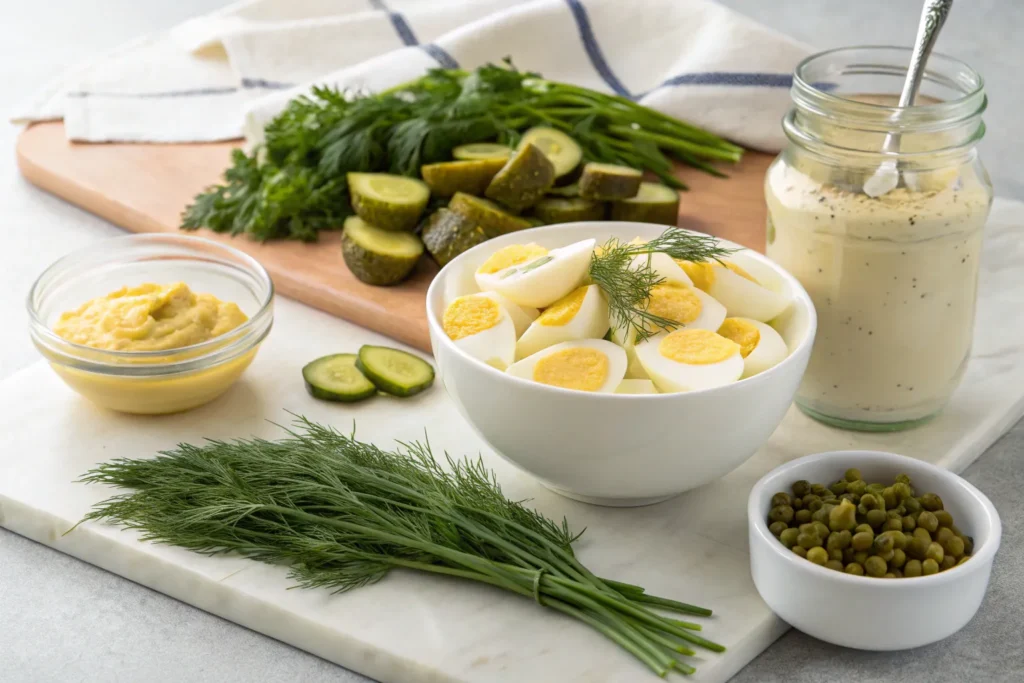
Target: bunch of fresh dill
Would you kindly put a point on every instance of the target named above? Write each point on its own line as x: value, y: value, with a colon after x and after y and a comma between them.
x: 627, y: 281
x: 343, y: 513
x: 294, y: 185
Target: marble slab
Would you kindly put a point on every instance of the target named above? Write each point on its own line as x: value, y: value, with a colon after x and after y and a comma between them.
x: 421, y: 629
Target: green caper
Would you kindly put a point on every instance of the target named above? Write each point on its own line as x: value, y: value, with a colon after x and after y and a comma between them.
x: 821, y: 515
x: 913, y: 505
x: 893, y: 525
x: 875, y: 566
x: 796, y: 503
x: 888, y: 575
x: 909, y: 523
x: 839, y: 540
x: 821, y: 530
x: 817, y: 555
x: 802, y: 516
x: 800, y: 550
x: 788, y: 537
x: 838, y: 488
x: 863, y: 527
x: 934, y: 552
x: 923, y: 534
x: 899, y: 558
x: 963, y: 559
x: 899, y: 540
x: 862, y: 541
x: 929, y: 567
x: 968, y: 543
x: 893, y: 513
x: 834, y: 565
x: 883, y: 544
x: 850, y: 497
x: 836, y: 555
x: 813, y: 503
x: 875, y: 488
x: 801, y: 488
x: 807, y: 528
x: 781, y: 513
x: 860, y: 557
x: 945, y: 519
x: 943, y: 534
x: 852, y: 474
x: 912, y: 568
x: 856, y: 487
x: 855, y: 569
x: 896, y: 573
x: 890, y: 497
x: 903, y: 479
x: 842, y: 517
x: 917, y: 547
x: 954, y: 546
x: 848, y: 554
x: 887, y: 555
x: 777, y: 528
x: 902, y: 490
x: 781, y: 498
x: 817, y: 489
x: 868, y: 502
x: 927, y: 521
x: 808, y: 541
x: 875, y: 518
x: 948, y: 562
x: 931, y: 502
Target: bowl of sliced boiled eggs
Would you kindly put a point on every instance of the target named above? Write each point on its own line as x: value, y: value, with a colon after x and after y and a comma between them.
x: 620, y: 363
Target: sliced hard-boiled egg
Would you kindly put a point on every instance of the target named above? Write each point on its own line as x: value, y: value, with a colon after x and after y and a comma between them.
x: 686, y: 306
x: 543, y: 280
x: 585, y: 365
x: 664, y: 266
x: 580, y: 314
x: 482, y: 328
x: 636, y: 386
x: 760, y: 345
x: 459, y: 282
x: 521, y: 316
x: 743, y: 296
x: 690, y: 359
x: 503, y: 259
x: 699, y: 272
x: 627, y: 340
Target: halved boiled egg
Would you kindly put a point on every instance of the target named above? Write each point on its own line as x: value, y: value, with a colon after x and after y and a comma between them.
x: 459, y: 282
x: 760, y: 345
x: 521, y: 316
x: 482, y: 328
x: 580, y: 314
x: 664, y: 266
x: 636, y: 386
x: 586, y: 365
x: 743, y: 296
x: 690, y: 359
x: 541, y: 280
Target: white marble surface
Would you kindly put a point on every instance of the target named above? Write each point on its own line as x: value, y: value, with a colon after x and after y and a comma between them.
x: 66, y: 621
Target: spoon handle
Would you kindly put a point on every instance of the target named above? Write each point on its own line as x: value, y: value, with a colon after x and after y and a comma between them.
x: 933, y: 16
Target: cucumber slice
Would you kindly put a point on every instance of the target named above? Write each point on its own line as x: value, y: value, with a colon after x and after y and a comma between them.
x: 494, y: 220
x: 395, y: 372
x: 608, y: 181
x: 563, y: 152
x: 523, y: 180
x: 568, y: 210
x: 390, y: 202
x: 572, y: 190
x: 472, y: 177
x: 336, y: 378
x: 482, y: 150
x: 446, y: 234
x: 654, y: 203
x: 378, y: 257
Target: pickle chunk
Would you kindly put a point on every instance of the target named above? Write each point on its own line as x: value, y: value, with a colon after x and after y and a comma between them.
x: 608, y: 181
x: 473, y: 177
x: 563, y: 152
x: 492, y: 218
x: 482, y: 150
x: 389, y: 202
x: 446, y: 234
x: 378, y: 257
x: 568, y: 210
x: 523, y: 180
x: 653, y: 203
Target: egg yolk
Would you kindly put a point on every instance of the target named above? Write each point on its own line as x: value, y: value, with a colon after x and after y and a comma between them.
x: 702, y: 274
x: 697, y: 347
x: 509, y: 256
x: 583, y: 369
x: 675, y: 303
x: 469, y: 315
x: 739, y: 271
x: 741, y: 332
x: 565, y: 309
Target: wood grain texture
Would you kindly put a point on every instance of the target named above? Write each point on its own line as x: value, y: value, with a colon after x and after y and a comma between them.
x: 144, y: 187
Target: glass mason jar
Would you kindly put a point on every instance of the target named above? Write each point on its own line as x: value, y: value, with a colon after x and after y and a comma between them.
x: 893, y: 276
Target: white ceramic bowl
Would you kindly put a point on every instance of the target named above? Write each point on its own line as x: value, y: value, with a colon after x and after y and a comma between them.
x: 862, y: 612
x: 614, y: 449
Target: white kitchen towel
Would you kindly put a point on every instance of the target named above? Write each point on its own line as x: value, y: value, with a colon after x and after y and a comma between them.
x: 219, y: 75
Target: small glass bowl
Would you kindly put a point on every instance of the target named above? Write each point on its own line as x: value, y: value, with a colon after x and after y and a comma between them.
x: 152, y: 382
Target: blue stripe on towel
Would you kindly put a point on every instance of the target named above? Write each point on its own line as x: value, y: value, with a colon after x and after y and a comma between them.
x: 440, y: 55
x: 579, y: 13
x: 247, y: 83
x: 265, y: 84
x: 402, y: 27
x: 769, y: 80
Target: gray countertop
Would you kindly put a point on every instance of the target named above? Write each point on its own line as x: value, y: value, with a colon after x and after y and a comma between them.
x: 63, y: 620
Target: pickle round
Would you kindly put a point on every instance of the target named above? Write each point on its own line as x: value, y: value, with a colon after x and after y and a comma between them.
x: 472, y: 177
x: 378, y: 257
x: 653, y: 203
x: 493, y: 219
x: 564, y: 153
x: 389, y: 202
x: 523, y: 180
x: 481, y: 150
x: 608, y: 182
x: 568, y: 210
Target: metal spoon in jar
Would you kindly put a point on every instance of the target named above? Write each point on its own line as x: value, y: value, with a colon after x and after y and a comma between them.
x: 933, y: 16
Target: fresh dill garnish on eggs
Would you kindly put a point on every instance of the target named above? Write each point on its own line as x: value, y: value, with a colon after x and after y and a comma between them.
x: 628, y: 282
x: 342, y: 513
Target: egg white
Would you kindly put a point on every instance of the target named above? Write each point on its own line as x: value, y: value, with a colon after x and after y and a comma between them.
x: 663, y: 265
x: 543, y: 285
x: 459, y: 282
x: 636, y: 386
x: 590, y: 322
x: 521, y: 316
x: 627, y: 340
x: 771, y: 350
x: 745, y: 299
x: 616, y: 361
x: 672, y: 376
x: 712, y: 313
x: 496, y: 345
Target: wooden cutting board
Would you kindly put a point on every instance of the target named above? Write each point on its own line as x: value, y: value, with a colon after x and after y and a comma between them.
x: 144, y: 187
